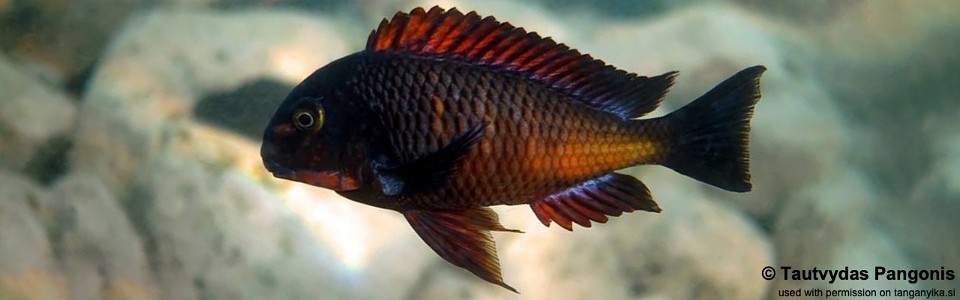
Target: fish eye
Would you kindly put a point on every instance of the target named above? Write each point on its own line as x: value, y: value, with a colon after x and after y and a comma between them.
x: 306, y: 120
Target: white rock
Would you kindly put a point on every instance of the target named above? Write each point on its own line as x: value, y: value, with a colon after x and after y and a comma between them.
x: 31, y: 114
x: 924, y: 223
x: 828, y: 226
x: 529, y: 15
x: 28, y: 269
x: 99, y: 251
x: 696, y: 241
x: 224, y: 235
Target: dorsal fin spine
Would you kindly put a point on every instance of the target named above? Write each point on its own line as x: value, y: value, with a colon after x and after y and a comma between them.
x: 435, y: 14
x: 469, y: 20
x: 468, y: 29
x: 551, y: 68
x: 511, y: 44
x: 581, y: 74
x: 504, y: 34
x: 371, y: 38
x: 522, y: 59
x: 444, y: 24
x: 411, y: 26
x: 522, y: 45
x: 400, y: 30
x: 538, y: 62
x: 478, y: 36
x: 413, y: 35
x: 375, y: 35
x: 485, y: 42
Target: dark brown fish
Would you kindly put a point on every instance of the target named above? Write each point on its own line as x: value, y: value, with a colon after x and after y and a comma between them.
x: 444, y: 114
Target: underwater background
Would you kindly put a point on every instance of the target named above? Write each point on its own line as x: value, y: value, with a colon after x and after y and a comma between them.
x: 130, y: 130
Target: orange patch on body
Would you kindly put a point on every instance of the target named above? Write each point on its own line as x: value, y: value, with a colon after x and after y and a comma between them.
x: 438, y: 108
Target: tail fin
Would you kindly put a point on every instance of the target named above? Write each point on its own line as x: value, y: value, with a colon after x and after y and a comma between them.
x: 711, y: 134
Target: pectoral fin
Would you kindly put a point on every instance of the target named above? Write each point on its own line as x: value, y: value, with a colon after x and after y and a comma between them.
x: 430, y: 170
x: 462, y: 238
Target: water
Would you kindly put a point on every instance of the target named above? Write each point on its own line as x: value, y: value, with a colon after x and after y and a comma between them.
x: 129, y: 163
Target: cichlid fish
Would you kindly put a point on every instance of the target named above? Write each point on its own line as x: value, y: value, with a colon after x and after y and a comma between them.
x: 445, y: 113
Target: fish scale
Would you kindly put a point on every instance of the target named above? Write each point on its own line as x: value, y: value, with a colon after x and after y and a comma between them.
x: 559, y: 137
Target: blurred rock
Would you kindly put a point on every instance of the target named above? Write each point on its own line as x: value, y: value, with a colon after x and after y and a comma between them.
x: 695, y: 249
x: 828, y: 225
x: 529, y: 15
x: 34, y: 119
x: 28, y: 269
x: 159, y: 67
x: 99, y: 251
x: 221, y: 236
x: 924, y: 224
x: 902, y: 90
x: 809, y: 13
x: 61, y: 38
x: 617, y: 9
x: 895, y: 79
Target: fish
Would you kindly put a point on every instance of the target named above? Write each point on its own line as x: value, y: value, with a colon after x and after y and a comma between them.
x: 444, y: 114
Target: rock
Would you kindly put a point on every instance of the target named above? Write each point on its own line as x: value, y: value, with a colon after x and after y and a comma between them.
x: 61, y: 38
x: 529, y: 15
x: 225, y: 236
x: 618, y: 9
x: 923, y: 224
x: 828, y: 225
x: 28, y: 268
x: 948, y: 149
x: 695, y: 242
x: 33, y: 117
x: 164, y: 61
x: 804, y: 13
x: 222, y: 236
x: 99, y: 251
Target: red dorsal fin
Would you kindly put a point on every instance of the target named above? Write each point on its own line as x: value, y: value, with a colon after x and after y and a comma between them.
x: 451, y: 35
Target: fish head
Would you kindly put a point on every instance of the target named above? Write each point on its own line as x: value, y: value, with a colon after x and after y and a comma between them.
x: 312, y: 139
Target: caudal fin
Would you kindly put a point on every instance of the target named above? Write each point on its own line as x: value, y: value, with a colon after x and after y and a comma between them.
x: 711, y: 134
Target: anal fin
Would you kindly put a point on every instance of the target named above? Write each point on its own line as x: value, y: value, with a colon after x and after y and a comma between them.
x: 462, y: 237
x: 608, y: 195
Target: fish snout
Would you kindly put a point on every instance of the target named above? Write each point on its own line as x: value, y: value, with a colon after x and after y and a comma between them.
x: 269, y: 154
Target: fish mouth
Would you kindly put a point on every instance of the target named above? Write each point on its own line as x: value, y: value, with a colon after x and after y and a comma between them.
x: 278, y: 170
x: 325, y: 179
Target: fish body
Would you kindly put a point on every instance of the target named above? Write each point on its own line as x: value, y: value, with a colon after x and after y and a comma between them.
x: 444, y: 114
x: 532, y: 141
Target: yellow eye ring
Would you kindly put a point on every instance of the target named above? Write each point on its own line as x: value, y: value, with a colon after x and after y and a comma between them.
x: 306, y: 120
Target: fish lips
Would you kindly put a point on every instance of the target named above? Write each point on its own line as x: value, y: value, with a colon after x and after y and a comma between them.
x: 325, y: 179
